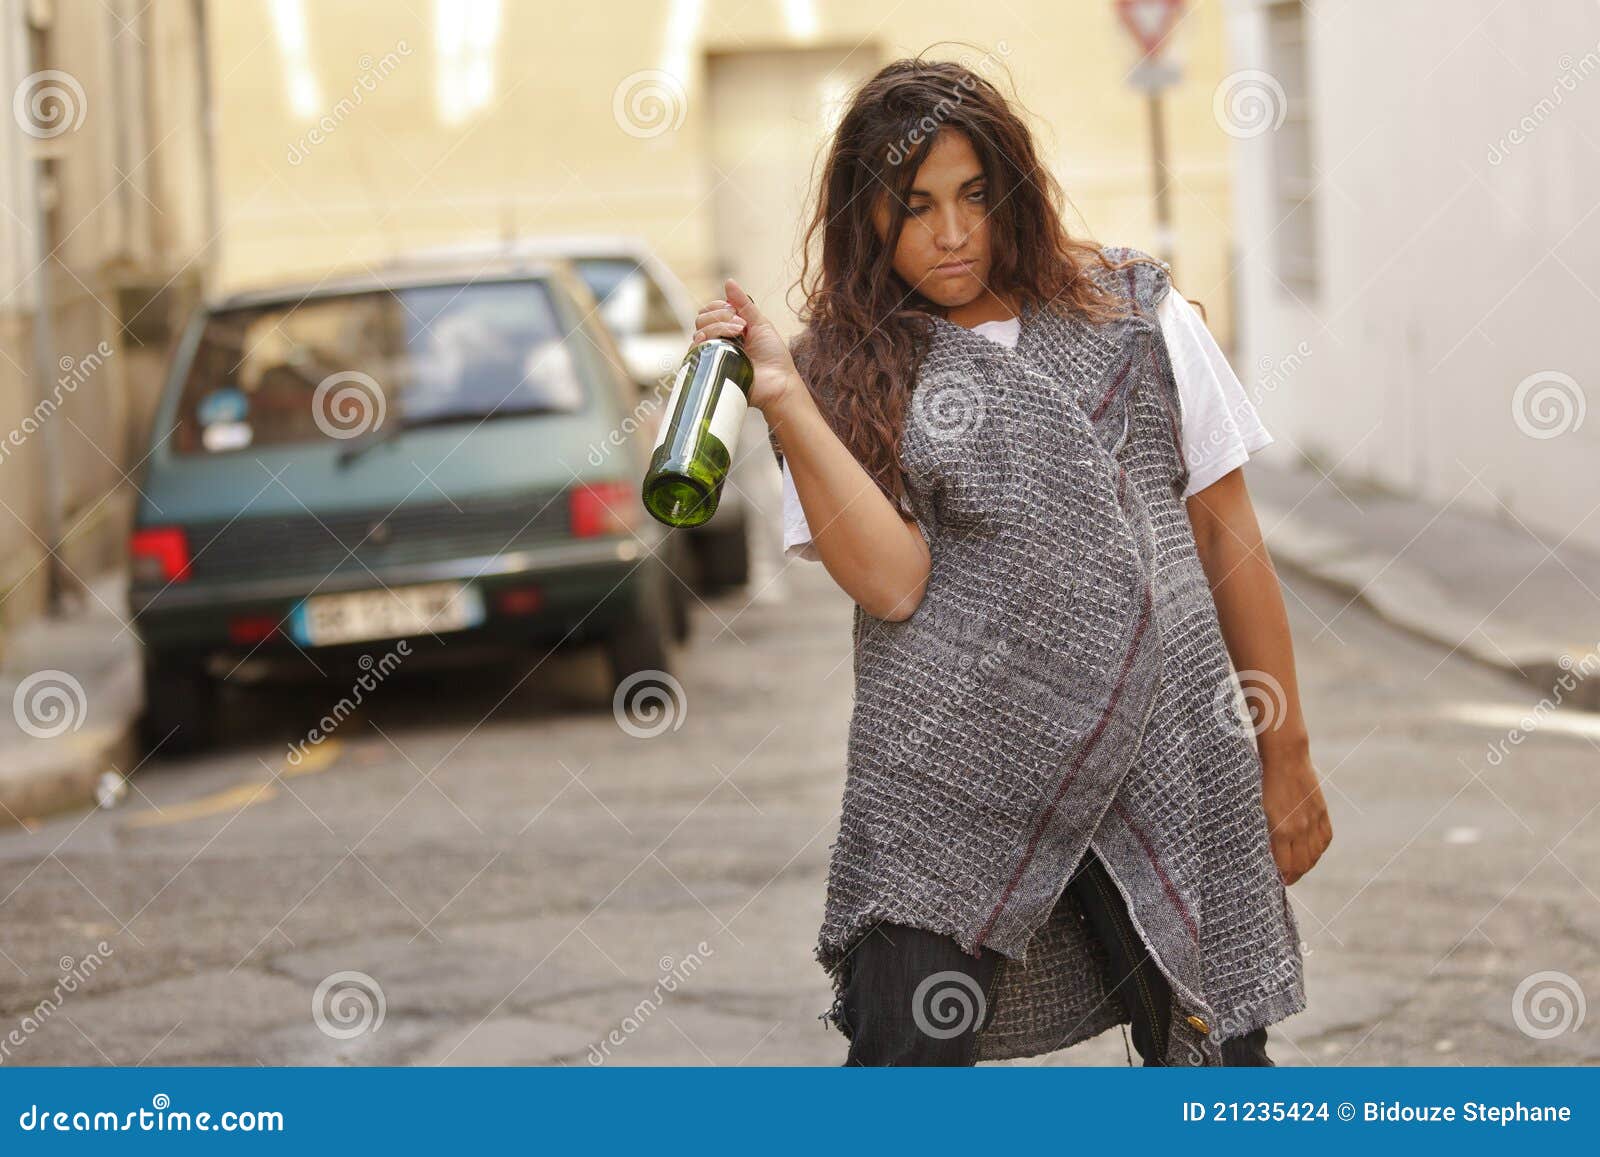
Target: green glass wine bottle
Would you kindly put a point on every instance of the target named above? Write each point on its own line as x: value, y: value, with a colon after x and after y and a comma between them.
x: 699, y: 433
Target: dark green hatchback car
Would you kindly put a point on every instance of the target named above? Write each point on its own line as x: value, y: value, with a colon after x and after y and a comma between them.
x: 439, y: 455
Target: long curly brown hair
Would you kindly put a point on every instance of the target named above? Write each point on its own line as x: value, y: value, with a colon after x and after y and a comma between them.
x: 866, y: 329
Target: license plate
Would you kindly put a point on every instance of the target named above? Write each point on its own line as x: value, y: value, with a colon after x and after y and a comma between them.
x: 390, y: 613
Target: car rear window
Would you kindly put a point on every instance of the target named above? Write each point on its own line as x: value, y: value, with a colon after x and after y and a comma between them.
x: 336, y: 367
x: 630, y: 300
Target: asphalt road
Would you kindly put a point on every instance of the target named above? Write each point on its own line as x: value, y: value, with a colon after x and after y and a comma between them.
x: 485, y: 865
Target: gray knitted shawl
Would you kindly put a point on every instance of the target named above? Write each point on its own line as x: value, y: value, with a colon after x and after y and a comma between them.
x: 1063, y: 684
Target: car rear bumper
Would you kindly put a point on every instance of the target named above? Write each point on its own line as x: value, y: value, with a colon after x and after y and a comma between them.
x: 584, y: 588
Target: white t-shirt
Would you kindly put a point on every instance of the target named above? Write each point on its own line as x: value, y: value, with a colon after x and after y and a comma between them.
x: 1220, y: 427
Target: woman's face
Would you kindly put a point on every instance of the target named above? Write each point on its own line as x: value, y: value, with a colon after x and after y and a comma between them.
x: 944, y: 246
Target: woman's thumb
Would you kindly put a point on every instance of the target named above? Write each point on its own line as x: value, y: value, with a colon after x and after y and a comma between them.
x: 742, y: 302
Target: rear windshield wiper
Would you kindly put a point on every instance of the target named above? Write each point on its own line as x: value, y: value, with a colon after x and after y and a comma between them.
x: 394, y: 429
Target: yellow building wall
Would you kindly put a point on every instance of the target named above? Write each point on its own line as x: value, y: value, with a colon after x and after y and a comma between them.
x: 388, y: 169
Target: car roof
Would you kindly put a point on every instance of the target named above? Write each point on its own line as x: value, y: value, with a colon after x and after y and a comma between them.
x: 549, y: 244
x: 532, y: 255
x: 565, y: 247
x: 408, y: 273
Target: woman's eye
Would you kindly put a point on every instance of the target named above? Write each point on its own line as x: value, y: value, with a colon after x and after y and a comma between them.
x: 977, y: 195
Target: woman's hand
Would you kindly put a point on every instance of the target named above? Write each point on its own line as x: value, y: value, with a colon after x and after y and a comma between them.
x: 737, y: 316
x: 1297, y: 815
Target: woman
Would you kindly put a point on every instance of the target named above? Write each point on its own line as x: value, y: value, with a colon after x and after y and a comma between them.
x: 1054, y: 820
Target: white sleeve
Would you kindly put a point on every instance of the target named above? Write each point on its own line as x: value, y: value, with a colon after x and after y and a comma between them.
x: 796, y: 532
x: 1221, y: 429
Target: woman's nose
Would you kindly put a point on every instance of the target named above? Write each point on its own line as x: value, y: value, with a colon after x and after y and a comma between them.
x: 952, y: 233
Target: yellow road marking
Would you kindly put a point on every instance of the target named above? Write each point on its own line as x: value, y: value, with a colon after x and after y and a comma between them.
x: 319, y: 758
x: 230, y: 799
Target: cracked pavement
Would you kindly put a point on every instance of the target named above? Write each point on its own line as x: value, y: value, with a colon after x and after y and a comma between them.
x: 542, y: 887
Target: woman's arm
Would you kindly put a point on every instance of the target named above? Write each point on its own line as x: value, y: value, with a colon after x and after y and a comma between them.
x: 874, y: 552
x: 1255, y: 628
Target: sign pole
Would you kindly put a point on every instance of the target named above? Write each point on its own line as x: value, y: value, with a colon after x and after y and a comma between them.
x: 1158, y: 161
x: 1150, y: 23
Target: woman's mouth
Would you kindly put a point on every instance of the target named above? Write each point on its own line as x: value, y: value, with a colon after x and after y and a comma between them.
x: 954, y: 267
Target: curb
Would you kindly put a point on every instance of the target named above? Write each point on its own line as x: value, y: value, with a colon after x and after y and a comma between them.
x: 1407, y: 598
x: 92, y: 660
x: 66, y: 775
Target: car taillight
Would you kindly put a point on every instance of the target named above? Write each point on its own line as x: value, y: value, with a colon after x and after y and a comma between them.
x: 605, y: 508
x: 519, y: 600
x: 252, y: 628
x: 159, y: 554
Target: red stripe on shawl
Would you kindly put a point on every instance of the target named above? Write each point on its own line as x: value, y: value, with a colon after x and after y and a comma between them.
x: 1083, y: 754
x: 1172, y: 892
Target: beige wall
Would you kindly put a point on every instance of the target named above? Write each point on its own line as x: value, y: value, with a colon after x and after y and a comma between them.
x: 405, y: 160
x: 549, y: 153
x: 126, y: 222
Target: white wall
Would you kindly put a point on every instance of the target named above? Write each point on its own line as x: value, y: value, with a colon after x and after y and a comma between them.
x: 1458, y: 224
